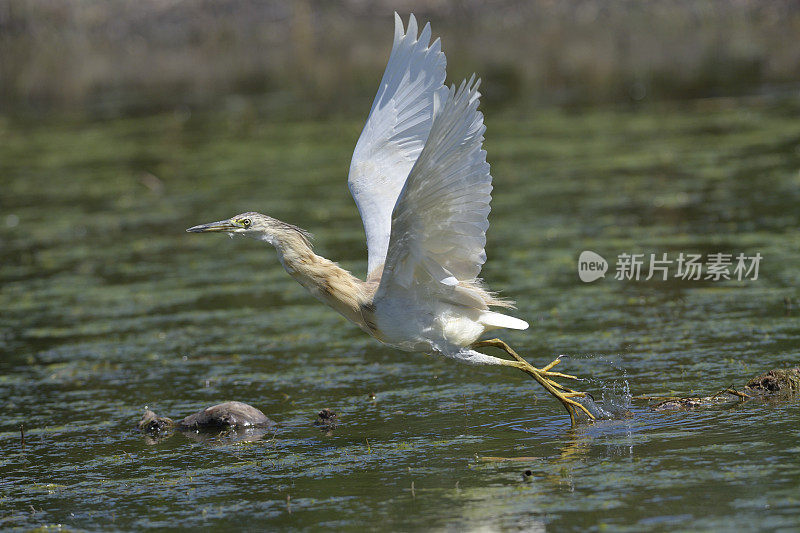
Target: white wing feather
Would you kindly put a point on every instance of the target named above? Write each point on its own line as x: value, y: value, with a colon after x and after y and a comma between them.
x: 395, y: 132
x: 441, y: 217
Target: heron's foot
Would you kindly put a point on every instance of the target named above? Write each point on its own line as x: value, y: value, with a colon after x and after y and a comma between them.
x: 546, y: 370
x: 544, y: 376
x: 563, y: 394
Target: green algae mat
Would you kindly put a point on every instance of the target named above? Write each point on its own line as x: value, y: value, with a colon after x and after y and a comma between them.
x: 108, y: 307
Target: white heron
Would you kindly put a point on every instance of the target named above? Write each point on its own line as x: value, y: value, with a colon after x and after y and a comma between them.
x: 422, y: 185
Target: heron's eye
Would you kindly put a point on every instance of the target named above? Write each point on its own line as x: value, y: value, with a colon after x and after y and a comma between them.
x: 245, y: 222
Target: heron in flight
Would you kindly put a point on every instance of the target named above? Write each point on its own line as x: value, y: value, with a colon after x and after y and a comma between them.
x: 422, y: 185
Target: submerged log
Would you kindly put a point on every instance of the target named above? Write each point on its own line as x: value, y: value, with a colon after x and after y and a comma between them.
x: 778, y: 383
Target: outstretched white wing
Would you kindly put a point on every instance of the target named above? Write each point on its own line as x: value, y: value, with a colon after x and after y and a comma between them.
x: 395, y: 132
x: 439, y: 223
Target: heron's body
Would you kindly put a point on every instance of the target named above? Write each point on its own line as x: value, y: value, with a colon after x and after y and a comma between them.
x: 402, y: 321
x: 421, y: 182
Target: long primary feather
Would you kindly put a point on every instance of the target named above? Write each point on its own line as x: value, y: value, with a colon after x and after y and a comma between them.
x: 441, y: 217
x: 395, y: 133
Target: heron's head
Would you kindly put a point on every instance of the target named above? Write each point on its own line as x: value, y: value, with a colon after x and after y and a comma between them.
x: 256, y: 226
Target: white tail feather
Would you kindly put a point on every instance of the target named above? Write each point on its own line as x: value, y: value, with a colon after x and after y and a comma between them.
x: 492, y: 320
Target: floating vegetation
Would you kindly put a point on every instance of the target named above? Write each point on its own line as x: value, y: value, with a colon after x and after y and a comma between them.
x: 777, y: 384
x: 784, y: 381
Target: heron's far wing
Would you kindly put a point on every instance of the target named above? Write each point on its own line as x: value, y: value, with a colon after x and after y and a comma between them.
x: 395, y: 132
x: 439, y: 223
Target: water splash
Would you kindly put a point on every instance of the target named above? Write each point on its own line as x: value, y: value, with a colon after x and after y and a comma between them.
x: 615, y: 394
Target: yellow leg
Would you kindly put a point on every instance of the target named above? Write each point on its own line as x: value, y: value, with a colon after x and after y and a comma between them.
x: 544, y: 377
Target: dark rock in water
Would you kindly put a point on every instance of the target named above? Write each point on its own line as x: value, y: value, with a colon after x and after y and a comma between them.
x: 784, y: 380
x: 226, y: 415
x: 154, y: 425
x: 326, y: 418
x: 221, y: 417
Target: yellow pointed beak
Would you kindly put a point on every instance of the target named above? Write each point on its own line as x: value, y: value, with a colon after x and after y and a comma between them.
x: 221, y: 225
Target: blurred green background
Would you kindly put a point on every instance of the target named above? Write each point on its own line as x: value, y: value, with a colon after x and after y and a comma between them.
x: 322, y: 58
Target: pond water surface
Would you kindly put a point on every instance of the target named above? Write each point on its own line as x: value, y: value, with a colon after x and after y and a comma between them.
x: 108, y: 306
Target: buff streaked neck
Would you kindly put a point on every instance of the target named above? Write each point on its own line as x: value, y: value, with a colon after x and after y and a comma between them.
x: 323, y: 278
